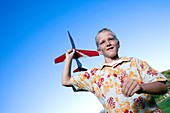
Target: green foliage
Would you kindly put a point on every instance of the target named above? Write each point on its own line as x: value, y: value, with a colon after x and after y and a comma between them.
x: 158, y: 97
x: 167, y: 75
x: 164, y: 105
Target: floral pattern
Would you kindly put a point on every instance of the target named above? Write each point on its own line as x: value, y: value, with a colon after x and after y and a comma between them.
x: 106, y: 83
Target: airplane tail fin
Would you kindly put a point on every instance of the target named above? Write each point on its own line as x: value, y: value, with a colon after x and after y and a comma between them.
x: 80, y: 69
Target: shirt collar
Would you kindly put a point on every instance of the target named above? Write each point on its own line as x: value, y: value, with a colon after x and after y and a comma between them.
x: 115, y: 63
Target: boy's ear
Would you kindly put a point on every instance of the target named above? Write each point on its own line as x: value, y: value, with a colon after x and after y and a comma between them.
x: 118, y: 44
x: 99, y: 51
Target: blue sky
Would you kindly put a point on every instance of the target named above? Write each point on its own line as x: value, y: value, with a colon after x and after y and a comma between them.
x: 33, y: 33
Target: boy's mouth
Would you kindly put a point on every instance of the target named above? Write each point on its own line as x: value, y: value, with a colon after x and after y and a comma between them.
x: 110, y: 48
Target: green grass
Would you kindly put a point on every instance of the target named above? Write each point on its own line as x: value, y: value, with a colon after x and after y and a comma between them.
x: 165, y: 105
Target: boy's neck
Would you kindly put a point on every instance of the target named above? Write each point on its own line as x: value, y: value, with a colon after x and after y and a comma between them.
x: 109, y: 60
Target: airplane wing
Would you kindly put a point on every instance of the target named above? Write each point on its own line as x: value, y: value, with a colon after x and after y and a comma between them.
x: 89, y: 53
x: 60, y: 59
x: 79, y: 53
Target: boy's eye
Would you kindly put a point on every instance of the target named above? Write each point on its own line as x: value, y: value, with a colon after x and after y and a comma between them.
x: 101, y: 42
x: 111, y: 38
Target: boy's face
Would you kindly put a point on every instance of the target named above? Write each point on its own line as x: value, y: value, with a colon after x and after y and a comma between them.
x: 107, y: 44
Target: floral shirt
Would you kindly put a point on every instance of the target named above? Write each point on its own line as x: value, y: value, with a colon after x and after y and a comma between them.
x: 106, y: 83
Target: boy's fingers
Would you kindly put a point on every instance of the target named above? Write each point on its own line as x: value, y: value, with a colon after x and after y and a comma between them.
x: 69, y: 51
x: 135, y: 90
x: 130, y: 87
x: 126, y: 86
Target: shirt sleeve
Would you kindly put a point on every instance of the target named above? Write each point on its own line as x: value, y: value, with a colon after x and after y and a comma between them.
x: 82, y: 82
x: 149, y: 74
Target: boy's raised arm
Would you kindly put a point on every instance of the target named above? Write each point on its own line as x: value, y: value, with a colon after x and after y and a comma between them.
x: 67, y: 68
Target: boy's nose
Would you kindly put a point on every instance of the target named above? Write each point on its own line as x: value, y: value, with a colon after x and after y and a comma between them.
x: 108, y: 43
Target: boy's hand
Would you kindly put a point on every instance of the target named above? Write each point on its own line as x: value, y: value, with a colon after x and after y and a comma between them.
x: 130, y: 87
x: 70, y: 54
x: 67, y: 68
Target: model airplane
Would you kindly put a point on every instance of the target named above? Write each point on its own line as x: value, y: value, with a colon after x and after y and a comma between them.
x: 78, y: 53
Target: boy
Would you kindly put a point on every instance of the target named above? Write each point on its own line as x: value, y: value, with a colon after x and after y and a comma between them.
x: 122, y: 84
